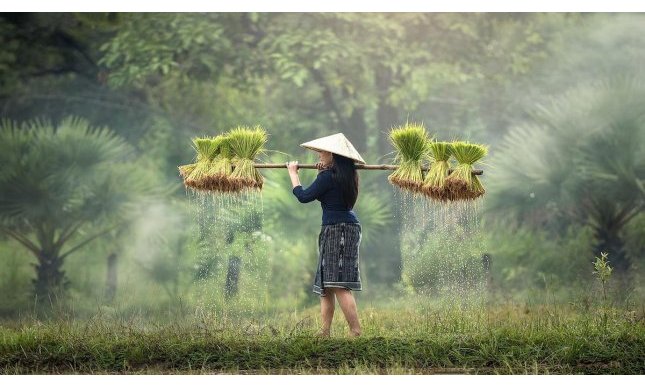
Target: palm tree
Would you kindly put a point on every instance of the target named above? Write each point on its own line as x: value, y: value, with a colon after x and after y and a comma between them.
x: 582, y: 157
x: 62, y: 187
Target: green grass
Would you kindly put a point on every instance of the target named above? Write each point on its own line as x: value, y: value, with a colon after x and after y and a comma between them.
x: 411, y: 340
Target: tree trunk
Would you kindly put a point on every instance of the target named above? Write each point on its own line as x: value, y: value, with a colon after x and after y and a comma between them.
x: 50, y: 280
x: 232, y: 277
x: 357, y: 130
x: 487, y: 263
x: 111, y: 279
x: 387, y: 116
x: 353, y: 126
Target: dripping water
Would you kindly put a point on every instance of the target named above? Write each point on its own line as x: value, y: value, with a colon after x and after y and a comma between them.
x: 442, y: 252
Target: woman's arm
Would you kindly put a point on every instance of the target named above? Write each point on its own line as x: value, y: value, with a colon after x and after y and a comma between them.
x: 292, y: 167
x: 317, y: 188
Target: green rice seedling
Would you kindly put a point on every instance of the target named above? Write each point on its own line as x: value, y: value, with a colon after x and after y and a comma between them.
x: 207, y: 149
x: 411, y: 142
x: 461, y: 184
x: 220, y: 167
x: 185, y: 170
x: 245, y: 144
x: 434, y: 182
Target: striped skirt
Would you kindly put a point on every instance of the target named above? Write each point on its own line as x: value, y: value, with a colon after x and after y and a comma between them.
x: 338, y: 262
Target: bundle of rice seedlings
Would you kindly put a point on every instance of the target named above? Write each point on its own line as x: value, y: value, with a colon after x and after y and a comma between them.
x: 245, y: 144
x: 434, y: 182
x: 461, y: 184
x: 221, y: 167
x: 184, y: 172
x: 207, y: 149
x: 411, y: 142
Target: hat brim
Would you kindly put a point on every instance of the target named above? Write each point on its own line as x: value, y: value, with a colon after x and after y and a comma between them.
x: 327, y: 150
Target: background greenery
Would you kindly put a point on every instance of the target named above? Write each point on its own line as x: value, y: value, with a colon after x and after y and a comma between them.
x: 99, y: 110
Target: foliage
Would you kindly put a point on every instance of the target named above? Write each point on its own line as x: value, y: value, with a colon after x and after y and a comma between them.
x: 603, y: 271
x: 148, y: 45
x: 157, y: 78
x: 355, y: 61
x: 523, y: 258
x: 585, y: 154
x: 15, y: 289
x: 64, y: 186
x: 158, y: 247
x: 444, y: 263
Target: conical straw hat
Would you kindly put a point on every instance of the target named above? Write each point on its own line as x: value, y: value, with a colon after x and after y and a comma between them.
x: 336, y: 143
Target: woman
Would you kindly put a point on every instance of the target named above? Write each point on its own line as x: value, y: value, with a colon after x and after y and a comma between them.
x: 336, y: 187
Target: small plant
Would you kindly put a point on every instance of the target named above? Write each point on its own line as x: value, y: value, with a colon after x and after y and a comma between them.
x: 411, y: 142
x: 461, y: 184
x: 602, y: 270
x: 434, y: 182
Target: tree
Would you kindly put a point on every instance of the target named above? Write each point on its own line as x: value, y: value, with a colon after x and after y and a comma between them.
x: 369, y: 71
x: 49, y: 68
x: 62, y: 187
x: 580, y: 159
x: 356, y: 73
x: 52, y: 44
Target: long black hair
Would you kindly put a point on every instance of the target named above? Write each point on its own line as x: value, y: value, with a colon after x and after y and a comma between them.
x: 344, y: 173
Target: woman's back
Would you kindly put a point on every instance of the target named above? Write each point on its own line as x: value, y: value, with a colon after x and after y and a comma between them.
x: 330, y: 195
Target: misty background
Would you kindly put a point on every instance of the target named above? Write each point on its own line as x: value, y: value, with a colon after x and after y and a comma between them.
x: 98, y: 110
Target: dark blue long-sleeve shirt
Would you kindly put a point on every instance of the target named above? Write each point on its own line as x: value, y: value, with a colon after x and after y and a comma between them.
x: 325, y: 189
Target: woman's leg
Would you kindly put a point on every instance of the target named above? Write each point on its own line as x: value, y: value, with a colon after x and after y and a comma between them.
x: 327, y: 304
x: 348, y: 305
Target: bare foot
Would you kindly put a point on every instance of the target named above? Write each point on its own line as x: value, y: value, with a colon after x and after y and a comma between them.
x: 322, y: 333
x: 354, y: 333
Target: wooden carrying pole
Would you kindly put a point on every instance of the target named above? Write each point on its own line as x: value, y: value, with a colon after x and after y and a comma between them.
x: 382, y: 167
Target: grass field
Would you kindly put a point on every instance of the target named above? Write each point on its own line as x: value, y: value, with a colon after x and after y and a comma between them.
x: 504, y: 339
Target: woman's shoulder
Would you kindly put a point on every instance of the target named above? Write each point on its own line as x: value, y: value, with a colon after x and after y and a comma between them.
x: 325, y: 172
x: 325, y: 177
